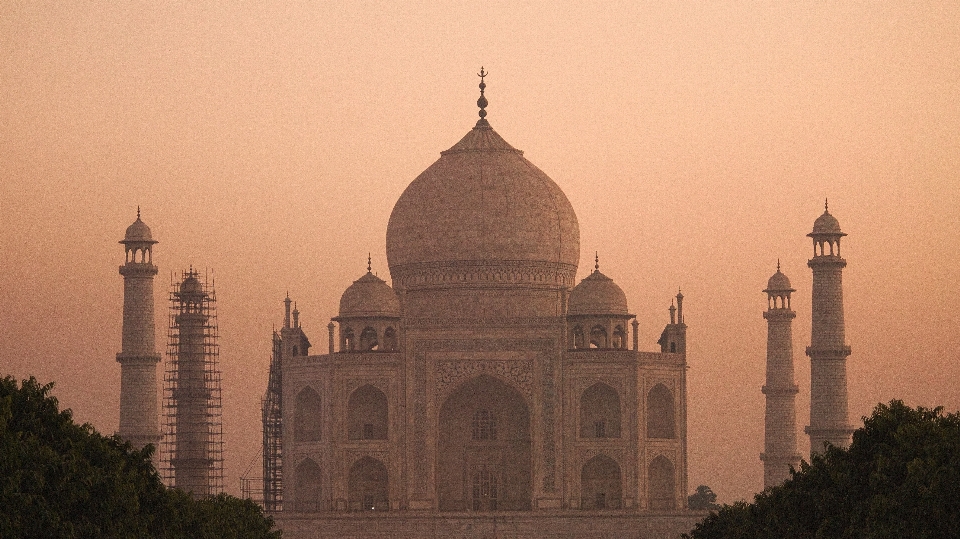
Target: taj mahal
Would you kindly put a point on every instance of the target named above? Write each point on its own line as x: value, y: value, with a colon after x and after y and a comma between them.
x: 486, y: 390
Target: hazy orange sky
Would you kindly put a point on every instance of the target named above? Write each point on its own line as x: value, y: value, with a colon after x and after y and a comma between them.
x: 696, y: 141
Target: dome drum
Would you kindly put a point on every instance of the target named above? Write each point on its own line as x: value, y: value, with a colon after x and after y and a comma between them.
x: 494, y: 274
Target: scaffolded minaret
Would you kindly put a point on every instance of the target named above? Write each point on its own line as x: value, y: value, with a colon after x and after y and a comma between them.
x: 828, y: 350
x: 193, y: 429
x: 780, y: 420
x: 138, y: 357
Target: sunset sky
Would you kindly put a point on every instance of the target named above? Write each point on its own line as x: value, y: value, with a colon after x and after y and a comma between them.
x: 697, y: 141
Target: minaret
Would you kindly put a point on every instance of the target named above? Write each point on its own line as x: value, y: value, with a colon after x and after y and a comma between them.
x: 193, y: 435
x: 828, y: 350
x: 139, y: 423
x: 780, y: 419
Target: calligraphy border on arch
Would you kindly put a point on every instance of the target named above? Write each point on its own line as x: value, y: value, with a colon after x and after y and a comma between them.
x: 449, y: 374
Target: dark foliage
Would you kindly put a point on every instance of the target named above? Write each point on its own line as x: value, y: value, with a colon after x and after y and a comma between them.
x: 60, y: 479
x: 899, y: 478
x: 703, y: 499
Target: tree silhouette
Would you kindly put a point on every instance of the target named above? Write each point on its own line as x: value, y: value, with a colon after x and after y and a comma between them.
x: 60, y: 479
x: 703, y: 499
x: 900, y: 477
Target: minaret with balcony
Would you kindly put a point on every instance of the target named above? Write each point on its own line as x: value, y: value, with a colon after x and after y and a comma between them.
x: 828, y: 350
x: 780, y: 419
x: 139, y: 413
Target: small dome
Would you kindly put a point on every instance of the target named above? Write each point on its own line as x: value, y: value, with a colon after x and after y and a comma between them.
x: 138, y: 232
x: 191, y: 285
x: 369, y: 296
x: 779, y: 283
x: 827, y: 224
x: 597, y: 294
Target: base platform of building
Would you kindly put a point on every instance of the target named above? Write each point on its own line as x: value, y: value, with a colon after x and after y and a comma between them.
x: 504, y: 525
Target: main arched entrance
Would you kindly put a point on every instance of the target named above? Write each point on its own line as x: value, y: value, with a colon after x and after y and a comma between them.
x: 483, y: 449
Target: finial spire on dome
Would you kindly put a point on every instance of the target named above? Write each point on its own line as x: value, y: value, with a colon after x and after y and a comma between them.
x: 596, y: 261
x: 138, y: 212
x: 482, y: 102
x: 368, y: 263
x: 778, y: 265
x: 826, y: 206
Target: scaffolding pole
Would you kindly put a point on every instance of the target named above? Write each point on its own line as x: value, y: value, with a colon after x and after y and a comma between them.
x: 191, y: 456
x: 271, y: 408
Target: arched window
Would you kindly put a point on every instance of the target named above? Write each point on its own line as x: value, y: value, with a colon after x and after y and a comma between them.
x: 296, y: 351
x: 576, y: 337
x: 390, y: 340
x: 348, y: 341
x: 661, y: 422
x: 368, y: 486
x: 367, y: 414
x: 306, y: 416
x: 484, y: 425
x: 598, y: 337
x: 368, y: 339
x: 600, y: 412
x: 619, y: 338
x: 600, y: 484
x: 307, y: 490
x: 661, y: 484
x: 673, y: 347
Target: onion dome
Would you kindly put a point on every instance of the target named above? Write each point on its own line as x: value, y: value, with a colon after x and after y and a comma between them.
x: 779, y: 282
x: 597, y: 294
x: 369, y: 296
x: 826, y: 224
x: 138, y: 232
x: 482, y: 205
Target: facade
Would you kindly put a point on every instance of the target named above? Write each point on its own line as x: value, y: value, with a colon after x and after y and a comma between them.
x: 780, y: 418
x: 138, y: 357
x: 828, y: 350
x: 485, y: 387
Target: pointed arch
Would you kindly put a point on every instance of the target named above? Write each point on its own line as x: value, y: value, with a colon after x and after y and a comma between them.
x: 598, y: 337
x: 661, y: 480
x: 367, y: 414
x: 348, y: 341
x: 601, y: 485
x: 661, y: 416
x: 368, y: 486
x: 306, y: 416
x: 484, y: 448
x: 600, y: 412
x: 619, y: 338
x: 307, y: 488
x: 390, y: 340
x: 576, y: 337
x: 368, y: 339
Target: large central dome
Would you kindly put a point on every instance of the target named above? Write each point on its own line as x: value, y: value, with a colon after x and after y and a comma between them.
x: 482, y: 212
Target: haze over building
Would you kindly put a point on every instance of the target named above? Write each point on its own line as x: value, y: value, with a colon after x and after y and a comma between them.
x: 486, y: 388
